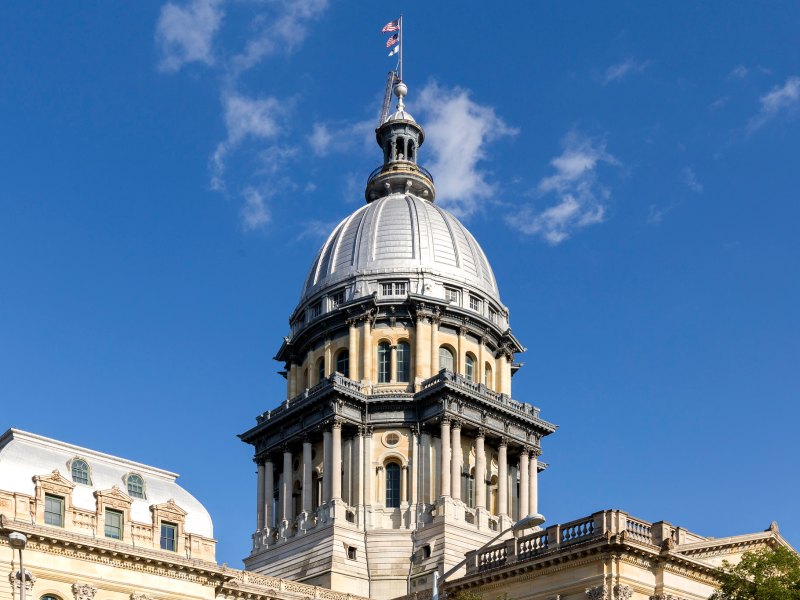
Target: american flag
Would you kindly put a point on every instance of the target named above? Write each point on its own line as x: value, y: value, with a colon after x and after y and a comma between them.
x: 391, y: 26
x: 392, y: 40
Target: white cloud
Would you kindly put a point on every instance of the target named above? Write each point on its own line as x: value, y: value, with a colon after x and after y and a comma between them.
x: 739, y: 72
x: 255, y: 213
x: 316, y: 229
x: 255, y: 118
x: 657, y: 214
x: 458, y: 133
x: 185, y: 34
x: 690, y: 179
x: 580, y: 200
x: 784, y: 98
x: 320, y: 139
x: 328, y: 137
x: 620, y: 70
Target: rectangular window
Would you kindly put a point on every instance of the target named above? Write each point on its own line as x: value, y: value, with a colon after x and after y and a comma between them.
x: 337, y: 298
x: 54, y: 510
x: 113, y: 524
x: 494, y: 315
x: 475, y: 303
x: 314, y: 310
x: 169, y: 536
x: 451, y: 295
x: 394, y: 288
x: 351, y: 552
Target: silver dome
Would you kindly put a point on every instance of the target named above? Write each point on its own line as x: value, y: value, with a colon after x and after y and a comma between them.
x: 401, y: 234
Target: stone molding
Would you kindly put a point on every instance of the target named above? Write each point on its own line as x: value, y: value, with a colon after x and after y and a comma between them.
x: 83, y: 591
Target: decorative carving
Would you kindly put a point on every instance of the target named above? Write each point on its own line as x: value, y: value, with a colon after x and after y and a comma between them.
x: 83, y: 591
x: 599, y: 592
x: 622, y: 592
x: 14, y: 578
x: 503, y: 442
x: 481, y: 432
x: 140, y: 596
x: 535, y: 452
x: 455, y: 423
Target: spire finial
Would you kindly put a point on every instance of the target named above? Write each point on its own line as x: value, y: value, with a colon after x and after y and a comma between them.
x: 400, y: 90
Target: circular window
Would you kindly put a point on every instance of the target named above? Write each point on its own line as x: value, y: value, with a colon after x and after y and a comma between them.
x: 391, y: 439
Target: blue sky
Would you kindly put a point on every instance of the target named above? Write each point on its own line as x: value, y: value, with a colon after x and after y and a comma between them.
x: 170, y: 170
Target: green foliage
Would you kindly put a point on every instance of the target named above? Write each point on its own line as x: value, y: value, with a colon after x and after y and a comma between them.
x: 768, y: 574
x: 465, y: 595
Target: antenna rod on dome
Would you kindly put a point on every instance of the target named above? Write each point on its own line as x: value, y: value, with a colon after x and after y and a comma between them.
x: 400, y: 61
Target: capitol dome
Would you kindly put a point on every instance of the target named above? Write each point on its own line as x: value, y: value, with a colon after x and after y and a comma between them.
x: 402, y: 234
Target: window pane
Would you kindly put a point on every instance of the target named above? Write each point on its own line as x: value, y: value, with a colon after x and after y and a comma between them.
x: 445, y: 359
x: 403, y: 362
x: 135, y: 486
x: 392, y: 485
x: 169, y: 536
x: 80, y: 472
x: 469, y: 367
x: 387, y: 289
x: 113, y: 528
x: 399, y: 289
x: 384, y: 358
x: 343, y: 363
x: 53, y: 510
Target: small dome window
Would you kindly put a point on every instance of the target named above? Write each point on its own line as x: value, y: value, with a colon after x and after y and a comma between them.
x: 80, y: 471
x: 135, y: 485
x: 391, y: 439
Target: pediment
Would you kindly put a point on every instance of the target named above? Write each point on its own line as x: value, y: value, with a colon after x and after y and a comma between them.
x: 169, y: 507
x: 114, y: 495
x: 54, y: 480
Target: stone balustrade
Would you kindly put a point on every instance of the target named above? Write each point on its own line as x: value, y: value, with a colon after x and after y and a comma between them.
x: 599, y: 525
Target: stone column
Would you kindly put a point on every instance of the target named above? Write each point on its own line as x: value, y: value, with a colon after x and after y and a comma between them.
x: 366, y: 350
x: 445, y: 485
x: 336, y: 462
x: 455, y: 461
x: 327, y: 468
x: 419, y: 349
x: 480, y: 368
x: 507, y: 373
x: 291, y: 382
x: 368, y: 471
x: 502, y: 478
x: 328, y: 358
x: 308, y: 491
x: 434, y: 346
x: 259, y: 498
x: 352, y: 352
x: 393, y: 364
x: 512, y: 489
x: 358, y: 468
x: 269, y: 493
x: 347, y: 472
x: 480, y: 470
x: 404, y: 484
x: 286, y: 505
x: 413, y: 457
x: 312, y: 369
x: 533, y: 482
x: 462, y: 351
x: 524, y: 486
x: 425, y: 475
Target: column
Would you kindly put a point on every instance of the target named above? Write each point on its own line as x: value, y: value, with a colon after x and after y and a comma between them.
x: 366, y: 350
x: 419, y: 349
x: 507, y: 374
x: 524, y: 487
x: 413, y: 457
x: 368, y: 472
x: 502, y: 478
x: 404, y: 484
x: 512, y: 489
x: 462, y: 351
x: 445, y: 485
x: 500, y: 373
x: 327, y: 468
x: 336, y: 462
x: 480, y: 368
x: 358, y: 468
x: 480, y: 470
x: 347, y: 472
x: 260, y: 498
x: 269, y: 493
x: 533, y: 482
x: 291, y: 377
x: 434, y: 346
x: 393, y: 364
x: 352, y: 352
x: 425, y: 475
x: 328, y: 358
x: 308, y: 491
x: 286, y: 504
x: 455, y: 461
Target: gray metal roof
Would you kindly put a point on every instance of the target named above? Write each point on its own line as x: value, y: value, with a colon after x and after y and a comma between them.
x: 401, y: 233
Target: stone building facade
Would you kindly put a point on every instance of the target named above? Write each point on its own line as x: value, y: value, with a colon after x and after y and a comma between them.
x: 398, y: 437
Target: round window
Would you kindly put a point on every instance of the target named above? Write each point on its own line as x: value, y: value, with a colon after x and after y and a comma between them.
x: 391, y: 439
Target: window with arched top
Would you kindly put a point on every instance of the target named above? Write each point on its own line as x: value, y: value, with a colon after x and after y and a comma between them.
x: 320, y: 370
x: 446, y: 358
x: 384, y: 362
x: 343, y: 363
x: 49, y: 597
x: 469, y: 367
x: 411, y: 151
x: 403, y: 362
x: 487, y: 375
x: 392, y: 485
x: 80, y: 471
x: 135, y: 485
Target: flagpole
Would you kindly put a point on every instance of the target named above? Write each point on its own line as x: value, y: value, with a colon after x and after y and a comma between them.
x: 400, y: 42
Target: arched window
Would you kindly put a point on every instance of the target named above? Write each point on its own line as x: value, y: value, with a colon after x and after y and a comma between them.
x: 446, y: 358
x: 384, y: 360
x: 320, y: 370
x: 392, y: 485
x: 469, y: 367
x: 343, y: 363
x: 135, y: 485
x: 403, y: 361
x: 49, y: 597
x: 80, y: 472
x: 487, y: 375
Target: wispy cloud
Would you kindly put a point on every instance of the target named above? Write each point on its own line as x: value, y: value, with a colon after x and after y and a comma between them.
x: 656, y: 214
x: 580, y: 200
x: 689, y: 178
x: 336, y: 137
x: 780, y: 99
x: 316, y: 229
x: 185, y: 34
x: 459, y: 132
x: 739, y: 72
x: 620, y: 70
x: 255, y: 213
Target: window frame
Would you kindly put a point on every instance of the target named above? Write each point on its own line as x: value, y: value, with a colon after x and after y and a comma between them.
x: 164, y: 540
x: 120, y: 527
x: 384, y: 374
x: 451, y: 358
x: 320, y: 370
x: 62, y: 504
x: 452, y: 295
x: 141, y: 495
x: 469, y: 367
x: 338, y: 298
x: 343, y: 358
x: 84, y: 474
x: 403, y: 360
x: 475, y: 303
x: 393, y: 487
x: 394, y: 288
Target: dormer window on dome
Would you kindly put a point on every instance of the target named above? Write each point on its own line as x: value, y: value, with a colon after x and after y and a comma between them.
x: 80, y: 471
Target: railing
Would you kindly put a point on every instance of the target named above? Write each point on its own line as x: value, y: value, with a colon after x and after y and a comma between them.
x: 598, y: 527
x: 399, y: 165
x: 266, y: 586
